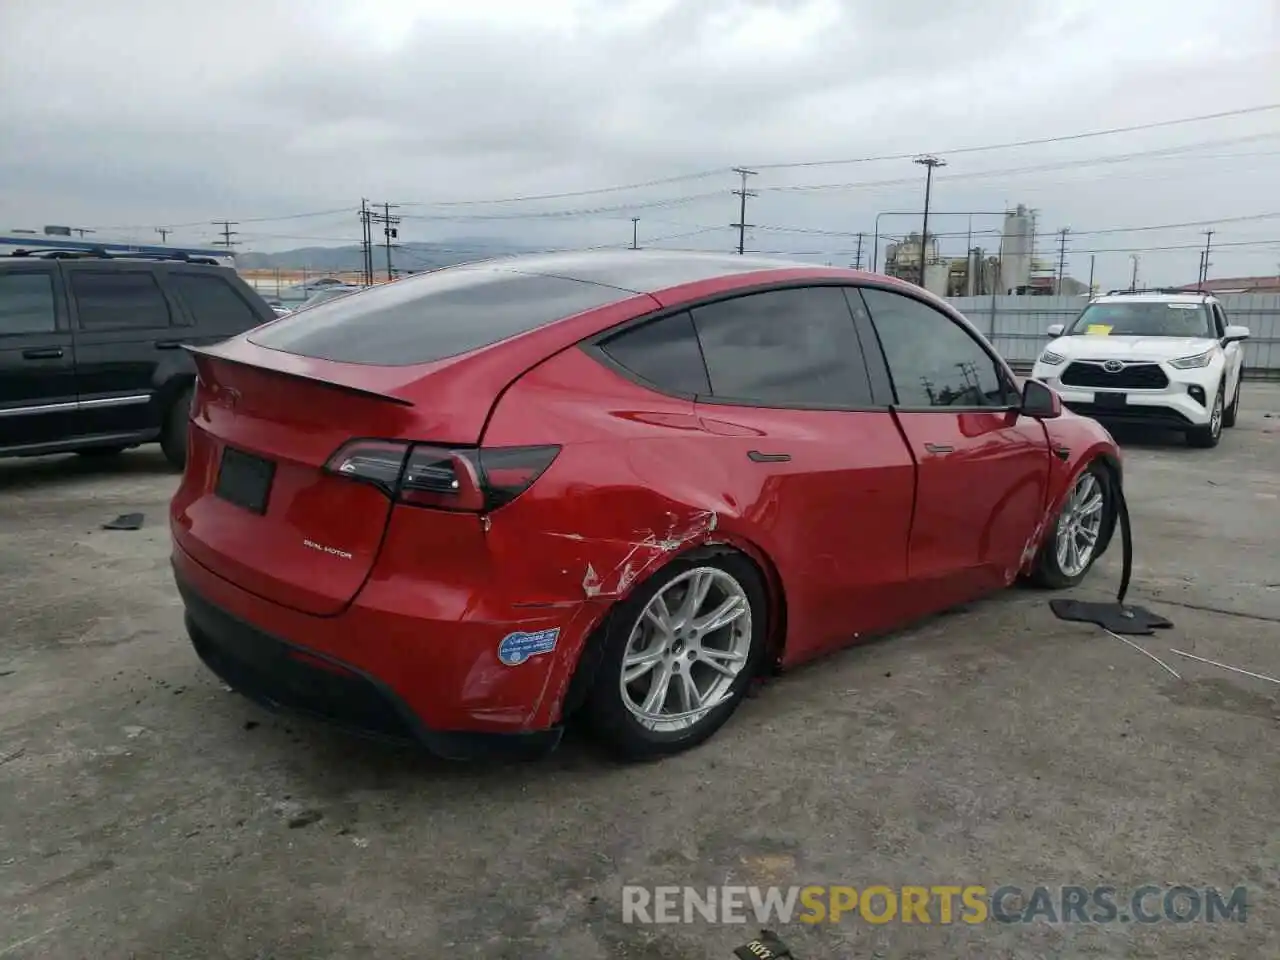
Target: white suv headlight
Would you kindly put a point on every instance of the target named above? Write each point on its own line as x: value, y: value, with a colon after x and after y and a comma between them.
x: 1191, y: 363
x: 1051, y: 358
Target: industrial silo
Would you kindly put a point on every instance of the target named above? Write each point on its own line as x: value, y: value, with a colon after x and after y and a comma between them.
x: 1015, y: 250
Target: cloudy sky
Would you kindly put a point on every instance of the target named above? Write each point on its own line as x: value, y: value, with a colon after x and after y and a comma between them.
x: 282, y: 115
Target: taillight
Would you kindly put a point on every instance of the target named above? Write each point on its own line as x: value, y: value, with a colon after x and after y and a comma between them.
x: 446, y: 478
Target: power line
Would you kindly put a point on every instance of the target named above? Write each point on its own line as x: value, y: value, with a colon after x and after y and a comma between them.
x: 565, y: 195
x: 1177, y: 152
x: 1038, y: 141
x: 625, y: 210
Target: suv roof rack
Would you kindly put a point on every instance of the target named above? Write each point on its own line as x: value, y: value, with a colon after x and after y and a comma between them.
x: 101, y: 253
x: 1180, y: 291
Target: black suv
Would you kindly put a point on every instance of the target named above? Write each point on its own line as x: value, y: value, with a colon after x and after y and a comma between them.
x: 91, y: 356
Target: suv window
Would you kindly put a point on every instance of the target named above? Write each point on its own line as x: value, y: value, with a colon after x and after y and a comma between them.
x: 793, y: 347
x: 432, y: 316
x: 118, y: 300
x: 665, y: 353
x: 933, y: 360
x: 26, y: 303
x: 213, y: 301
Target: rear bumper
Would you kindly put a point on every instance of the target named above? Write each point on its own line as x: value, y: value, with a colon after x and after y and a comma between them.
x: 400, y: 679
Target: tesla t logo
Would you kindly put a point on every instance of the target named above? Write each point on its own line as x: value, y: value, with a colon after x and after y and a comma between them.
x: 332, y: 551
x: 1113, y: 366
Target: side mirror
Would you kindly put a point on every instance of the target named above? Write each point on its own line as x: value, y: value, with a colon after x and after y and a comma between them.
x: 1235, y: 334
x: 1055, y: 329
x: 1040, y: 401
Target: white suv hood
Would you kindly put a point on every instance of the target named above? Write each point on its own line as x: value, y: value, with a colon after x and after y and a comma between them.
x: 1086, y: 347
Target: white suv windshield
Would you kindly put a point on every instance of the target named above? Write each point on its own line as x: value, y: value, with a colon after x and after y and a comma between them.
x: 1146, y: 319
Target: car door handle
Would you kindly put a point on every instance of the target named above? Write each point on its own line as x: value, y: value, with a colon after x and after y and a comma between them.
x: 42, y: 353
x: 939, y: 448
x: 168, y: 344
x: 756, y: 456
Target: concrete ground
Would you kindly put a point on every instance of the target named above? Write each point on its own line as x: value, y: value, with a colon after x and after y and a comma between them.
x: 146, y: 812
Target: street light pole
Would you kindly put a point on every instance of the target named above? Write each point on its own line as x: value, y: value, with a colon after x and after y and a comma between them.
x: 929, y: 163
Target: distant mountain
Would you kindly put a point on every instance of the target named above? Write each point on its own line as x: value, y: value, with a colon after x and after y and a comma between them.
x: 405, y: 256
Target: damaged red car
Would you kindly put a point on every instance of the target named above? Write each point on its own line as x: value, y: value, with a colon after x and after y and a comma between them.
x: 468, y: 506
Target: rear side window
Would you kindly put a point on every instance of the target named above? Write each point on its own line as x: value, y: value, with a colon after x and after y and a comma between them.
x: 26, y: 303
x: 116, y: 301
x: 214, y: 302
x: 665, y: 353
x: 432, y: 316
x: 793, y: 347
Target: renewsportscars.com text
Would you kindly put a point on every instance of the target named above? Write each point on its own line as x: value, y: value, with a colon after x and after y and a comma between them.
x: 937, y: 904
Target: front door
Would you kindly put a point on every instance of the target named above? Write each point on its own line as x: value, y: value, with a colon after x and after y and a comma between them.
x: 37, y: 363
x: 983, y: 469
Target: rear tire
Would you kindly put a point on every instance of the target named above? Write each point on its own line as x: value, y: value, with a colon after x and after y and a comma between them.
x: 1229, y: 415
x: 1080, y: 531
x: 173, y: 431
x: 1208, y: 436
x: 628, y: 718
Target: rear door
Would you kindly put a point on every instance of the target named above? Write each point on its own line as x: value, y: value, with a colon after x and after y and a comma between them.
x: 815, y: 463
x: 124, y: 329
x: 983, y: 469
x: 37, y: 371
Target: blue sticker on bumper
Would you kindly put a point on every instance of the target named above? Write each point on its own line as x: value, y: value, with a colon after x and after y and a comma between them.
x: 516, y: 648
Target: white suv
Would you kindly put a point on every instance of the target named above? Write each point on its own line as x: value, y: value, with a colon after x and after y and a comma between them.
x: 1163, y: 359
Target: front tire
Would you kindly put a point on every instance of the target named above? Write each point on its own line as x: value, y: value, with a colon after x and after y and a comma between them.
x: 1209, y: 435
x: 678, y: 656
x: 173, y: 431
x: 1079, y: 532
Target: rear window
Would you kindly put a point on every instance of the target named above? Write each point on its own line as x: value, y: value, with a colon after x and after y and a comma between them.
x: 214, y: 302
x: 433, y: 316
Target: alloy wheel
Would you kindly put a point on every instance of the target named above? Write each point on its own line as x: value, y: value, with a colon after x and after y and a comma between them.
x: 1080, y: 525
x: 1215, y: 418
x: 686, y: 650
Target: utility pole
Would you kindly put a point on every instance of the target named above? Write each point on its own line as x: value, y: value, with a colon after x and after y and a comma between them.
x: 366, y: 247
x: 857, y: 260
x: 1092, y: 257
x: 1062, y: 258
x: 1204, y: 260
x: 227, y: 233
x: 929, y: 163
x: 164, y: 233
x: 635, y: 233
x: 742, y: 193
x: 1133, y: 281
x: 389, y: 233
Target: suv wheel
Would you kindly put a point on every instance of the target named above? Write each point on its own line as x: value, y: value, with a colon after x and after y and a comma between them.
x: 1210, y: 433
x: 173, y: 431
x: 1229, y: 415
x: 678, y: 656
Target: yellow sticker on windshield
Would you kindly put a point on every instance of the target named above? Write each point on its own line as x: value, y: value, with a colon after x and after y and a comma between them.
x: 1098, y: 330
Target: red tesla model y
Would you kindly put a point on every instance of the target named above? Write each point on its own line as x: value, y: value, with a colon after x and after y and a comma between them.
x: 468, y: 506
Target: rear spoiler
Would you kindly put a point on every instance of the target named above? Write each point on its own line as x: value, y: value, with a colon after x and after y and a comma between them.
x: 198, y: 352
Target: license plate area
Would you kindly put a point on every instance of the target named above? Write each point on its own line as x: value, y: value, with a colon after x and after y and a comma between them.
x: 1110, y: 401
x: 245, y: 480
